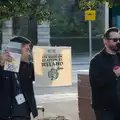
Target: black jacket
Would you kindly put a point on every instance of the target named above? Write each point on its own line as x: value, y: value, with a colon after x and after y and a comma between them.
x: 103, y: 81
x: 26, y: 74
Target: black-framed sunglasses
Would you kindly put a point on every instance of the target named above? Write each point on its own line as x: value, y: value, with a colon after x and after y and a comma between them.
x: 115, y: 39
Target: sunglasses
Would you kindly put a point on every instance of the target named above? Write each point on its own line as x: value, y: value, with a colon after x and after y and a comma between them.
x: 115, y: 39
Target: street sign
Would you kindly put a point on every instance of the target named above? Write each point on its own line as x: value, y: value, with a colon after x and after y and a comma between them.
x: 90, y: 15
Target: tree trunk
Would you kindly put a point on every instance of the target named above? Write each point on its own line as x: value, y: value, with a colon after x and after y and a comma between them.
x: 26, y: 27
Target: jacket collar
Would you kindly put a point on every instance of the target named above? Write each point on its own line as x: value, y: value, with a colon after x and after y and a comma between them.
x: 107, y: 54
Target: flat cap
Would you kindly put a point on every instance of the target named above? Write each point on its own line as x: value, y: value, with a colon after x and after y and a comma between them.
x: 20, y: 39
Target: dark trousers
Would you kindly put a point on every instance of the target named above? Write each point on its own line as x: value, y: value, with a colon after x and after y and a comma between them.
x: 107, y: 115
x: 15, y: 118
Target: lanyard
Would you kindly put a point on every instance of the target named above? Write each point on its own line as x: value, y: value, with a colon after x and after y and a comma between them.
x: 16, y: 78
x: 17, y: 83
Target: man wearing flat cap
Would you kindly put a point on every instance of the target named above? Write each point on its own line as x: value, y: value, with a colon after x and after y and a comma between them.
x: 17, y: 100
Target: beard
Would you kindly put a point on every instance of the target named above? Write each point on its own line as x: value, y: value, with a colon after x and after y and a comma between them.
x: 114, y: 48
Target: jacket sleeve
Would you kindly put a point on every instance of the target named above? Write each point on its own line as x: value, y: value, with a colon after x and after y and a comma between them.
x: 32, y: 72
x: 97, y: 77
x: 1, y: 72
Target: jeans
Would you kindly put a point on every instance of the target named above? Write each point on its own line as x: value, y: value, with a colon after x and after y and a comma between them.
x: 107, y: 115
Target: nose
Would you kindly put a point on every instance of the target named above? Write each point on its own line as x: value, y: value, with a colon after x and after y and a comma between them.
x: 118, y: 41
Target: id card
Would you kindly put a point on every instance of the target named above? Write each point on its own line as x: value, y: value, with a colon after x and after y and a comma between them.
x: 20, y: 99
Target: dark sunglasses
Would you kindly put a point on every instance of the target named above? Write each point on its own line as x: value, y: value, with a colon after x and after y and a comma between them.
x: 115, y: 39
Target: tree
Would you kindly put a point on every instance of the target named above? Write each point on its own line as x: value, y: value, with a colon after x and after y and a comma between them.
x: 62, y: 21
x: 90, y: 4
x: 25, y: 14
x: 41, y: 9
x: 25, y: 26
x: 69, y: 21
x: 15, y: 8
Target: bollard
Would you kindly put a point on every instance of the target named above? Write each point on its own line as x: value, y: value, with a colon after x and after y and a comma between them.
x: 42, y: 109
x: 49, y: 118
x: 84, y: 97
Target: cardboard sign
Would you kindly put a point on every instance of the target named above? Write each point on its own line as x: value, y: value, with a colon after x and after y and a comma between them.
x: 52, y: 66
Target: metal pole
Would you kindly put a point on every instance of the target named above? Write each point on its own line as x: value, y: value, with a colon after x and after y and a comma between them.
x: 106, y: 16
x: 90, y: 41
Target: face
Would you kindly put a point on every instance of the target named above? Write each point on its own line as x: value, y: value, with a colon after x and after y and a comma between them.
x: 114, y: 39
x: 25, y: 52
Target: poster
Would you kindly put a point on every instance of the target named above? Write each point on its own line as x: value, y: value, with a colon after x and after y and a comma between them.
x: 14, y: 50
x: 13, y: 65
x: 52, y: 66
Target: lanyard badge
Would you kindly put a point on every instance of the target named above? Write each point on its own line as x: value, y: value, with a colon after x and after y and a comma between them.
x: 19, y: 97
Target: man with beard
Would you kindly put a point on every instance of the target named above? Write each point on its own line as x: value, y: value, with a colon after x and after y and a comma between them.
x: 104, y: 75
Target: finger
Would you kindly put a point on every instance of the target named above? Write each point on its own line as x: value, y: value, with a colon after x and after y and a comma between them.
x: 118, y: 69
x: 114, y: 71
x: 10, y: 58
x: 6, y: 53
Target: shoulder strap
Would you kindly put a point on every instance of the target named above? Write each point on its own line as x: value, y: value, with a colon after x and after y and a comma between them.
x: 16, y: 82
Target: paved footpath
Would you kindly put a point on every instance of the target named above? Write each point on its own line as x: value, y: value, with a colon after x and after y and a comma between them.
x: 62, y: 100
x: 58, y: 101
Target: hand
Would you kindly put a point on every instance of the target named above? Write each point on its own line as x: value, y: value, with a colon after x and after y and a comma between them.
x: 117, y: 71
x: 6, y: 57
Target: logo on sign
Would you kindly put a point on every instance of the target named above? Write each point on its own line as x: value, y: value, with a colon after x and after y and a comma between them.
x: 53, y: 74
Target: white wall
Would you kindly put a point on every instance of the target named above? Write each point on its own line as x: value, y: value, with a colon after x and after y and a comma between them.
x: 44, y: 34
x: 7, y: 31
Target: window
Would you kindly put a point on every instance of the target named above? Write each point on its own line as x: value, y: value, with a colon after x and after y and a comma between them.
x: 114, y: 16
